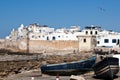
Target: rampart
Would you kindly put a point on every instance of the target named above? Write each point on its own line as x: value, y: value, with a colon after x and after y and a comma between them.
x: 40, y: 46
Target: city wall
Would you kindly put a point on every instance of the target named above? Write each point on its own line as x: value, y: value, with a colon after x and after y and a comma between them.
x: 40, y: 46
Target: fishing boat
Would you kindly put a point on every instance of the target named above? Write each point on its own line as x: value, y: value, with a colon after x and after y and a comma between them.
x: 106, y: 68
x: 117, y: 56
x: 68, y: 68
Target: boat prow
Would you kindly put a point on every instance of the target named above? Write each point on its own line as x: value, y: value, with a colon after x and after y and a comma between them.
x: 107, y: 68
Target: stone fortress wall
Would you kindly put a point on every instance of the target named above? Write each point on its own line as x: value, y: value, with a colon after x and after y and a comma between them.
x: 41, y: 46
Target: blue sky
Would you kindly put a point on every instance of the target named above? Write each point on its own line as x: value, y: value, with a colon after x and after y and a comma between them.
x: 59, y: 13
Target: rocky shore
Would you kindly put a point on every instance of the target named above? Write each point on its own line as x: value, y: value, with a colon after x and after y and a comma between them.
x: 24, y: 66
x: 16, y: 62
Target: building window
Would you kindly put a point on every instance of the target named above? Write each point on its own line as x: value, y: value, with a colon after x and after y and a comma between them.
x: 53, y: 38
x: 113, y: 40
x: 95, y: 32
x: 47, y: 38
x: 98, y: 42
x: 91, y: 32
x: 106, y: 41
x: 86, y: 32
x: 84, y: 40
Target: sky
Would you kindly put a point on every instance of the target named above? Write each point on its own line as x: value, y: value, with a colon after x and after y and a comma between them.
x: 59, y: 14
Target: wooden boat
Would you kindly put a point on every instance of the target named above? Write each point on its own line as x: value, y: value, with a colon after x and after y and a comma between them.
x: 117, y: 56
x: 70, y: 67
x: 107, y: 68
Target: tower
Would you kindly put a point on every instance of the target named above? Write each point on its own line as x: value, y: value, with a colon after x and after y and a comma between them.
x: 86, y: 42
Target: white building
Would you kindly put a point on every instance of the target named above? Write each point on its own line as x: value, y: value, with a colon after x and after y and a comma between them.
x: 92, y: 30
x: 22, y: 32
x: 108, y: 40
x: 104, y: 38
x: 38, y: 32
x: 65, y: 34
x: 46, y: 33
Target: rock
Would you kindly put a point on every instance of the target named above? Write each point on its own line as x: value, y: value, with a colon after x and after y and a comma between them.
x: 73, y: 77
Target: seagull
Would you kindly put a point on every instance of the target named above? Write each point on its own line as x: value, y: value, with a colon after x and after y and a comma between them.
x: 102, y: 9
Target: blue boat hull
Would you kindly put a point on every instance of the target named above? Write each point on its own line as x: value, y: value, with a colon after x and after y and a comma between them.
x: 70, y: 67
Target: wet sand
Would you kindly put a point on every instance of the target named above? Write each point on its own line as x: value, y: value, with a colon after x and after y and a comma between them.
x: 36, y: 75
